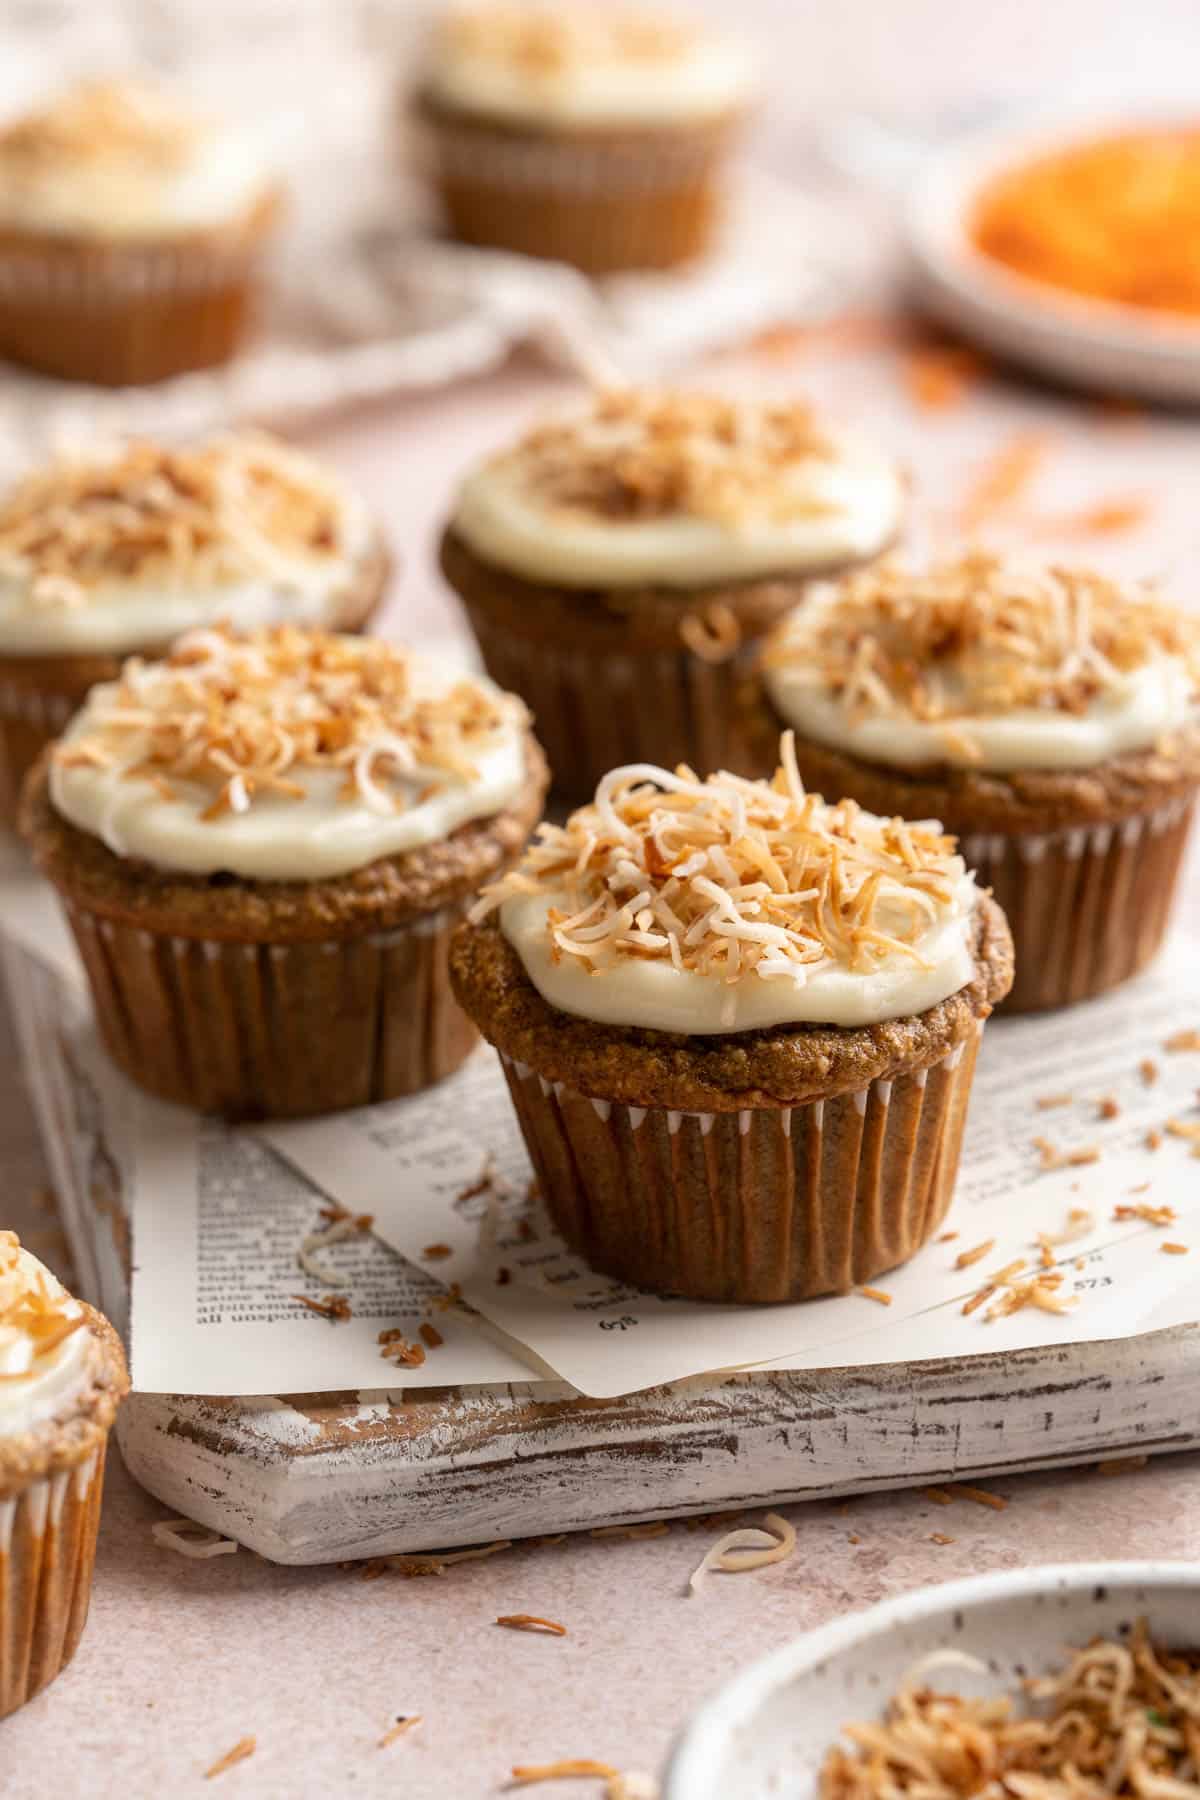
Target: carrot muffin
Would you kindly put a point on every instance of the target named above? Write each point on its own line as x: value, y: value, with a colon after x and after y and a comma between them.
x: 62, y: 1377
x: 263, y: 845
x: 592, y: 134
x: 739, y: 1026
x: 120, y: 550
x: 1047, y: 717
x: 131, y: 234
x: 618, y: 566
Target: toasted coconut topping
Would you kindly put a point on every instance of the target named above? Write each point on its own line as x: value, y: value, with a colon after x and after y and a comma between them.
x: 36, y: 1315
x: 235, y: 508
x: 539, y: 41
x: 129, y: 119
x: 732, y: 878
x: 1121, y: 1719
x: 245, y: 717
x: 975, y: 637
x: 647, y: 454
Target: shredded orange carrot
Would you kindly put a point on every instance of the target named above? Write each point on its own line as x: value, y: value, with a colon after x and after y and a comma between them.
x: 940, y: 376
x: 1114, y: 219
x: 1005, y: 478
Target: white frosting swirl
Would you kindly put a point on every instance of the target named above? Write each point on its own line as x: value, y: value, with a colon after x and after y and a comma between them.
x: 586, y: 66
x: 324, y: 822
x: 239, y: 572
x: 37, y: 1378
x: 654, y: 996
x: 1130, y: 715
x: 119, y: 160
x: 831, y: 509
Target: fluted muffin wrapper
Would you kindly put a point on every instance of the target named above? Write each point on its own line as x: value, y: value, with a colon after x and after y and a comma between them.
x: 597, y: 709
x: 276, y: 1030
x: 1088, y: 906
x: 647, y: 199
x: 47, y: 1551
x: 766, y: 1204
x: 125, y: 314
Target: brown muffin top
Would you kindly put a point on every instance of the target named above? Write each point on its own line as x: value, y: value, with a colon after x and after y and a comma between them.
x: 39, y: 1324
x: 715, y: 1074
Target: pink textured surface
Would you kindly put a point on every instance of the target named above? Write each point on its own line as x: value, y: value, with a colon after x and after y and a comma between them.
x: 182, y: 1659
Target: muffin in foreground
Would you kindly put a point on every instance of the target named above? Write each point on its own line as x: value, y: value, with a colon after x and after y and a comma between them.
x: 118, y: 551
x: 619, y: 566
x: 263, y: 845
x: 1045, y: 715
x: 132, y: 230
x: 591, y: 134
x: 62, y: 1377
x: 739, y: 1026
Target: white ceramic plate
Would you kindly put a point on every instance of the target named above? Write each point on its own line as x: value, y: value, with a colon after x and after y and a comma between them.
x: 1094, y: 343
x: 764, y: 1735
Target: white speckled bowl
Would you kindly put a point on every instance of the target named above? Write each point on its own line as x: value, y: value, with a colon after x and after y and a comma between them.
x: 763, y: 1736
x: 1093, y: 343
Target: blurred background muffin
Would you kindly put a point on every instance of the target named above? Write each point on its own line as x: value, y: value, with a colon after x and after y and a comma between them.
x: 131, y: 232
x: 116, y: 552
x: 619, y: 566
x: 592, y: 135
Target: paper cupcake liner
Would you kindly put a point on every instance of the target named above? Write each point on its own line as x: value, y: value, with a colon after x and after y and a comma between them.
x: 280, y: 1030
x: 596, y: 710
x: 765, y: 1204
x: 1088, y: 906
x: 47, y: 1549
x: 124, y: 315
x: 649, y: 201
x: 30, y: 716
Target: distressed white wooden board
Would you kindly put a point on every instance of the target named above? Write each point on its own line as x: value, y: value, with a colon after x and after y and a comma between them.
x: 321, y: 1477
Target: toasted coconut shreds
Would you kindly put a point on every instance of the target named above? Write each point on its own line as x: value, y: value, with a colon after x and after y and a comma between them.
x: 1120, y: 1719
x: 745, y: 1549
x: 240, y: 719
x: 733, y: 878
x: 241, y: 1750
x: 127, y: 119
x: 546, y: 42
x: 237, y: 508
x: 975, y: 636
x: 646, y: 454
x: 32, y: 1313
x: 190, y: 1539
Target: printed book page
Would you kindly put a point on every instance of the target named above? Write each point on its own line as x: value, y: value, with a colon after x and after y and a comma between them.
x: 459, y: 1241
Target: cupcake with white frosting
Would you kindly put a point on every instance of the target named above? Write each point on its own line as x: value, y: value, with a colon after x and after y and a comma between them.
x: 619, y: 566
x: 591, y: 134
x: 62, y: 1377
x: 132, y: 228
x: 739, y: 1026
x: 1047, y: 716
x: 263, y: 845
x: 118, y: 551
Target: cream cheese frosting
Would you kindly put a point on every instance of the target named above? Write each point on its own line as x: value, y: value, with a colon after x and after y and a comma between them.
x: 679, y: 490
x: 585, y: 65
x: 288, y: 755
x: 672, y: 904
x: 45, y: 1346
x: 120, y: 160
x: 985, y: 664
x: 128, y: 547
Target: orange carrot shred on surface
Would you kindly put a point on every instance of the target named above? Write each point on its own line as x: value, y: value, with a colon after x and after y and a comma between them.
x: 1005, y: 478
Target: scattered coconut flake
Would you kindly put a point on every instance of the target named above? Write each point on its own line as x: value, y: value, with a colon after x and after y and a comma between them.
x: 241, y: 1750
x: 404, y: 1724
x: 336, y: 1307
x: 189, y: 1538
x: 740, y: 1551
x: 321, y: 1240
x: 939, y: 1537
x: 531, y: 1622
x: 1051, y: 1157
x: 413, y: 1566
x: 966, y: 1258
